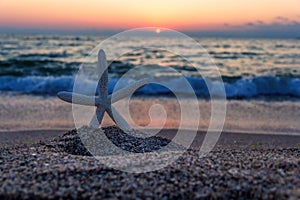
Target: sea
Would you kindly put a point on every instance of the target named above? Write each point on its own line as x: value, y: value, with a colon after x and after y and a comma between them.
x: 261, y: 77
x: 249, y: 68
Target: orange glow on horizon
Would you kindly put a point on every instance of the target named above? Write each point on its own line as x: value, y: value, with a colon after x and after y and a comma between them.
x: 118, y: 14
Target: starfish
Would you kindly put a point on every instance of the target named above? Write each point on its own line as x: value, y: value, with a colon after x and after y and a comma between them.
x: 103, y: 101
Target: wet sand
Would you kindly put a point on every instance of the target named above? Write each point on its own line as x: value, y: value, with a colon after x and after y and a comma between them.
x: 227, y: 140
x: 22, y: 112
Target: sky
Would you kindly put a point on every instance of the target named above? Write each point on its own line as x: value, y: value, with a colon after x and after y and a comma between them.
x: 269, y: 17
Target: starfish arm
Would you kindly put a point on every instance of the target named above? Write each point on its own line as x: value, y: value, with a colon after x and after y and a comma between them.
x: 103, y: 75
x: 98, y: 116
x: 80, y: 99
x: 118, y: 119
x: 124, y: 92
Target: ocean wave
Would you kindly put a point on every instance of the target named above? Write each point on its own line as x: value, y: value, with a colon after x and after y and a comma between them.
x: 242, y: 88
x: 36, y: 84
x: 38, y: 67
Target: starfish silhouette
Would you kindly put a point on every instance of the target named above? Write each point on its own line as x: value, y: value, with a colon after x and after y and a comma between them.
x: 103, y: 101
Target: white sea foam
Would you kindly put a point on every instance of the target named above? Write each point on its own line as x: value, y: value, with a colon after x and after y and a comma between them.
x: 240, y: 88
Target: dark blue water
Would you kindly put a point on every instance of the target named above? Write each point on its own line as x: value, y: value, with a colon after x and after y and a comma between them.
x: 250, y: 68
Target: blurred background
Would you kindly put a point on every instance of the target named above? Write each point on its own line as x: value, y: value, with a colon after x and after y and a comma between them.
x: 254, y: 44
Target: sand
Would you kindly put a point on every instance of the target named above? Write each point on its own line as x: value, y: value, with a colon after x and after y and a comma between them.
x: 226, y: 140
x: 244, y: 166
x: 22, y: 112
x: 256, y: 156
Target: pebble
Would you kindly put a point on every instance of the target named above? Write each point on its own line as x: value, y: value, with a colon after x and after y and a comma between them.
x: 65, y: 169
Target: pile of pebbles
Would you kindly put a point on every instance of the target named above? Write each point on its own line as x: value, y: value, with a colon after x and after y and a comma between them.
x: 52, y: 171
x: 75, y: 141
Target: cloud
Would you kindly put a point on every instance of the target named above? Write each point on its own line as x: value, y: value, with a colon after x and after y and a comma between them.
x: 260, y: 22
x: 278, y: 21
x: 284, y: 21
x: 250, y: 24
x: 281, y: 27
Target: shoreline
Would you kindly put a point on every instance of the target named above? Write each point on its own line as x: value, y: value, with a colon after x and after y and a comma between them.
x: 26, y: 112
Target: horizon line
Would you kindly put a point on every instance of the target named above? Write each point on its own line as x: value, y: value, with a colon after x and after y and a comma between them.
x: 193, y: 33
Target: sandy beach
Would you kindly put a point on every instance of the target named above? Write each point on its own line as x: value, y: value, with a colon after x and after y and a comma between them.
x: 256, y: 156
x: 26, y: 112
x: 149, y: 100
x: 47, y: 152
x: 240, y: 166
x: 227, y: 140
x: 260, y: 160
